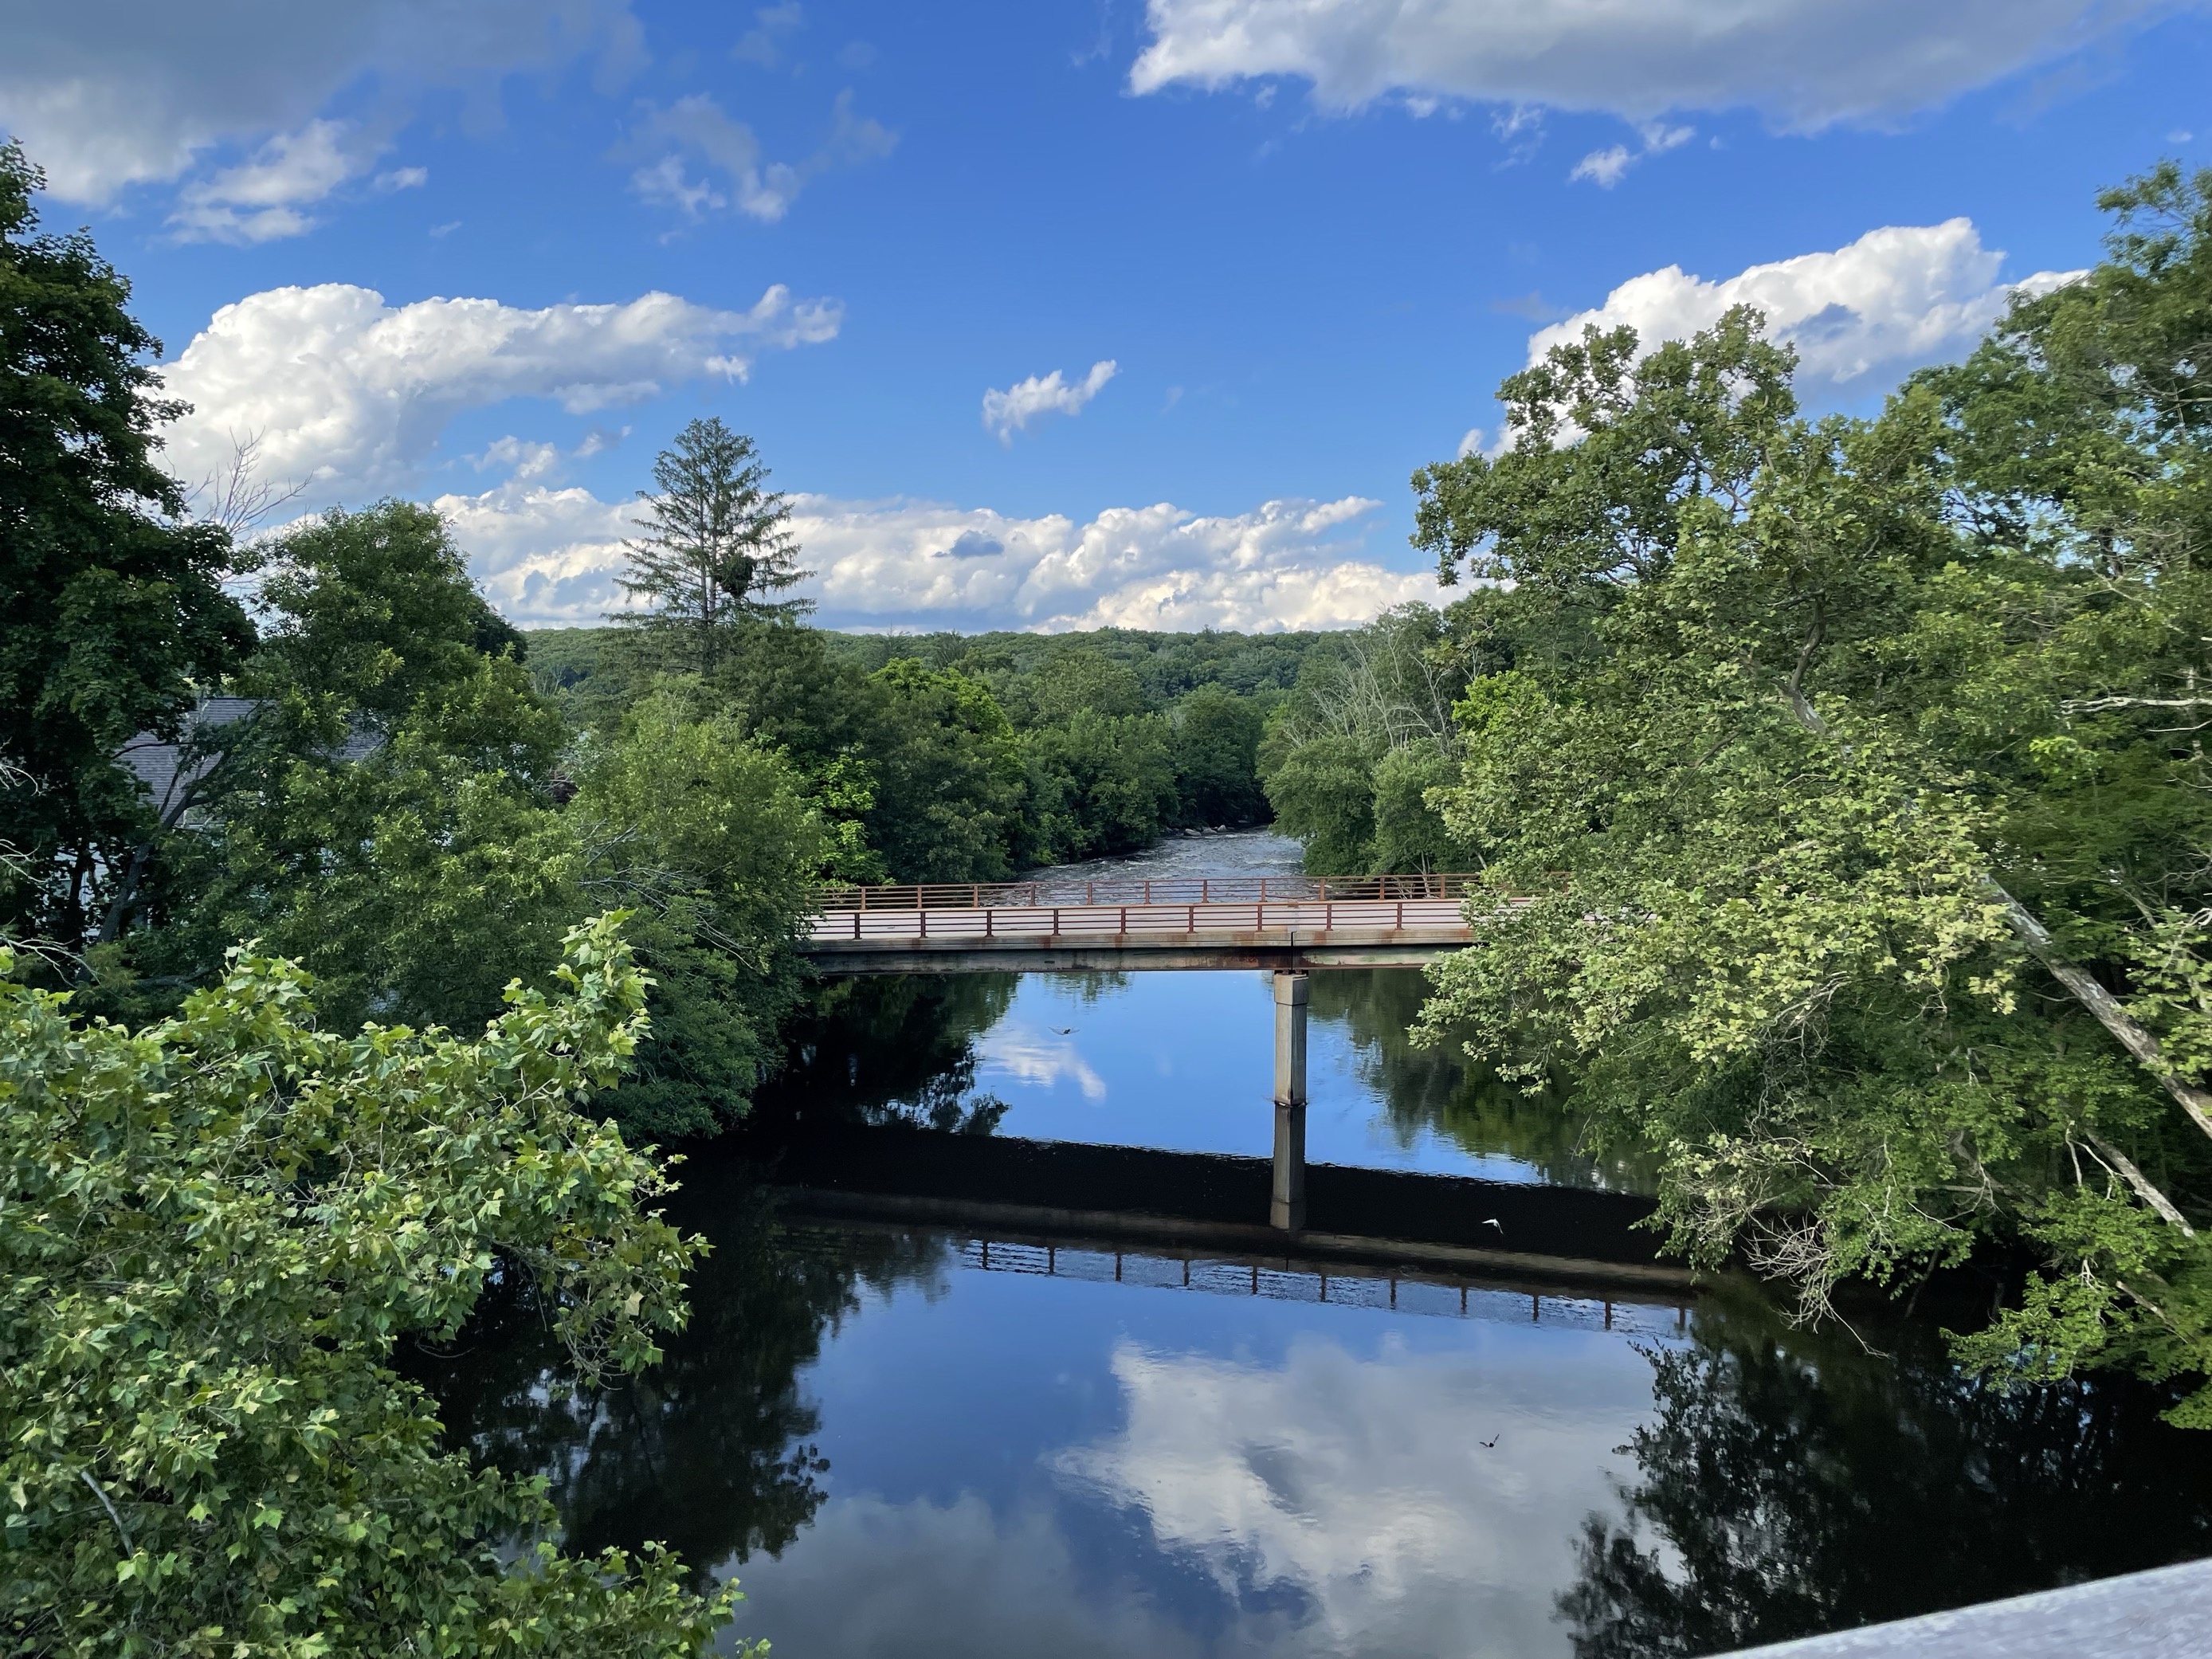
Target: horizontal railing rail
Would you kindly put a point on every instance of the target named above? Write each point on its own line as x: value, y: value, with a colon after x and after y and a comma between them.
x: 1430, y: 916
x: 1045, y: 892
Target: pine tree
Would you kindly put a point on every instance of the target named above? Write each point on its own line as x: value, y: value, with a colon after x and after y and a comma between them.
x: 718, y: 546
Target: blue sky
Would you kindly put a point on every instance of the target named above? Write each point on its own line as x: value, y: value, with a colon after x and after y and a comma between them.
x: 1309, y: 237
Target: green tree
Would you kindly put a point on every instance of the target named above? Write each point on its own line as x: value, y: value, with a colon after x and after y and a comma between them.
x: 388, y: 817
x: 1097, y: 783
x: 1217, y: 759
x: 1348, y: 758
x: 369, y: 612
x: 214, y: 1231
x: 1863, y: 852
x: 712, y: 839
x: 115, y: 610
x: 948, y: 776
x: 717, y: 548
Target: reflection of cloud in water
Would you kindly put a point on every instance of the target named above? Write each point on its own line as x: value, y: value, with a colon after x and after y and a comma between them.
x: 1040, y: 1057
x: 1334, y: 1505
x: 876, y: 1580
x: 1360, y: 1485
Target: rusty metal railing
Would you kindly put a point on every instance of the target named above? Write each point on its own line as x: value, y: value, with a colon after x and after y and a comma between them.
x: 1427, y: 916
x: 1044, y: 892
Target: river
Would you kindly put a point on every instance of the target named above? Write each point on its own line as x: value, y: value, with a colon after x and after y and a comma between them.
x: 903, y: 1445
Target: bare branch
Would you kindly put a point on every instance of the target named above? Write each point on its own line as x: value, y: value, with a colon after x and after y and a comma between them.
x: 2113, y: 1159
x: 236, y: 496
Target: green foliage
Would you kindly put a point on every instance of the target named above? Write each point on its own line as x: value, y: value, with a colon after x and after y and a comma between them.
x: 214, y: 1231
x: 711, y: 835
x: 1349, y: 758
x: 1089, y: 713
x: 1775, y: 722
x: 1323, y: 793
x: 115, y: 608
x: 387, y: 818
x: 372, y: 610
x: 948, y: 776
x: 1097, y: 783
x: 1216, y: 759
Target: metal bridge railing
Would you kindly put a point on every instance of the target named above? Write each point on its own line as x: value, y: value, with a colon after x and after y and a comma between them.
x: 1044, y: 892
x: 1193, y: 920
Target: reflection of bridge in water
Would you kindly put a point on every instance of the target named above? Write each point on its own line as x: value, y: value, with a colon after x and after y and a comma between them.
x: 1293, y: 925
x: 1406, y: 1289
x: 1191, y: 1206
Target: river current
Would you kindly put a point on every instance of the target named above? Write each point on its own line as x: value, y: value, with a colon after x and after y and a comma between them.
x: 905, y: 1445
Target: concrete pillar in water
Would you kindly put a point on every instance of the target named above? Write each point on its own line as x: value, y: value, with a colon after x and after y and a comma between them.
x: 1287, y: 1206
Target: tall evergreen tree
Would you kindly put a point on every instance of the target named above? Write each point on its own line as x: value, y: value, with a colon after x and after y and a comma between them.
x: 717, y: 550
x: 114, y: 606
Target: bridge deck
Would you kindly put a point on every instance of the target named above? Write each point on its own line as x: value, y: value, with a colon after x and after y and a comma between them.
x: 1290, y: 933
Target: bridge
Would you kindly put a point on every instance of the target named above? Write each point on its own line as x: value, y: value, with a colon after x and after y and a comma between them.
x: 1290, y: 925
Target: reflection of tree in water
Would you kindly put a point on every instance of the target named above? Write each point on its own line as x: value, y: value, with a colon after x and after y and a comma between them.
x: 1437, y: 1089
x: 889, y: 1049
x: 1791, y: 1482
x: 710, y: 1451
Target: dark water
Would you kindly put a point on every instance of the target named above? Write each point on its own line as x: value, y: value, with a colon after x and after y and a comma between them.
x: 906, y: 1445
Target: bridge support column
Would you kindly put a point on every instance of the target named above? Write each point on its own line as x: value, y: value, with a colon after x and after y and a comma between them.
x: 1287, y: 1206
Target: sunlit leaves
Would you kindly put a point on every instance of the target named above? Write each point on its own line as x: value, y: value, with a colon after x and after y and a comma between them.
x: 213, y: 1232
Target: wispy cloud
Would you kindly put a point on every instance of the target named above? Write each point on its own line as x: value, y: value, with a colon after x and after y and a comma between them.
x: 1027, y: 402
x: 731, y: 173
x: 265, y: 197
x: 1607, y: 167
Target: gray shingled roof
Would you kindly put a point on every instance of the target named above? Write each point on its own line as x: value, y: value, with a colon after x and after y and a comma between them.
x: 169, y: 773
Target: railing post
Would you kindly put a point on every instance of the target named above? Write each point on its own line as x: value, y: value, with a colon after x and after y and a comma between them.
x: 1286, y: 1207
x: 924, y: 915
x: 986, y: 925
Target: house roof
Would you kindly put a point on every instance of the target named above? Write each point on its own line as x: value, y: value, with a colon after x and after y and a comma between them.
x: 168, y: 769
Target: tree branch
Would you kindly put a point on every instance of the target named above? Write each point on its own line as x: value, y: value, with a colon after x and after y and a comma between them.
x: 128, y: 1548
x: 2114, y: 1159
x: 2131, y: 1033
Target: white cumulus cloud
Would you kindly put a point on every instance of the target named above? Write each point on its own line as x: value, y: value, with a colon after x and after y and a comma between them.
x: 1895, y: 298
x: 1803, y: 63
x: 130, y: 92
x: 1027, y: 402
x: 548, y: 555
x: 350, y: 395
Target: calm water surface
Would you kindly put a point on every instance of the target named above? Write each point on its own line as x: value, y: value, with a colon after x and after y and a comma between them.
x: 903, y: 1452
